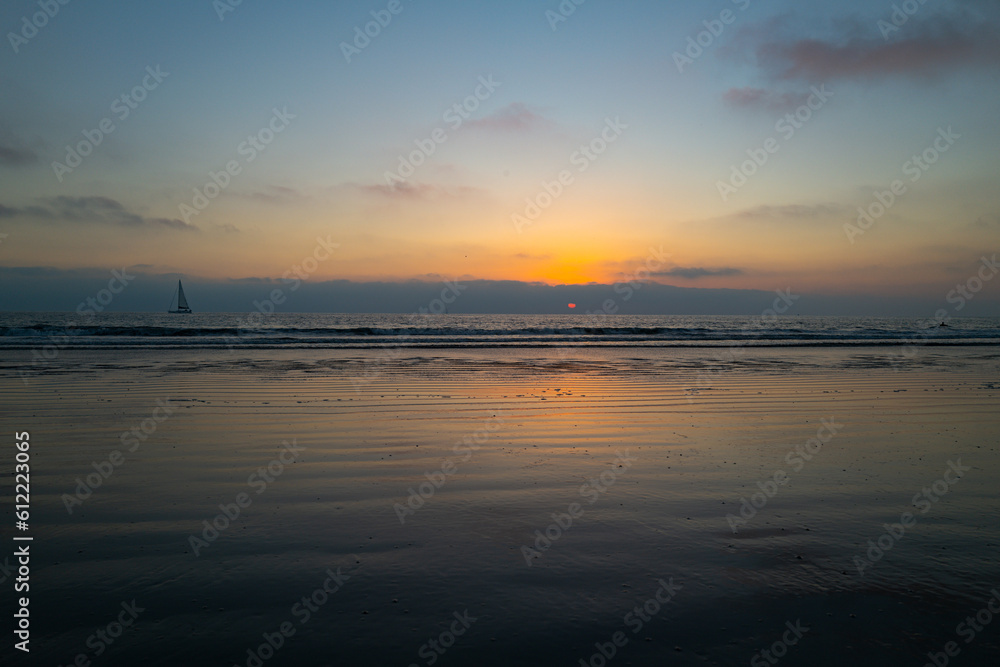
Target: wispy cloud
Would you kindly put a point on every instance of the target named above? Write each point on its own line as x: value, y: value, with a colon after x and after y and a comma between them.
x: 761, y: 98
x: 12, y: 156
x: 987, y: 222
x: 274, y: 194
x: 790, y: 211
x: 515, y: 117
x: 418, y: 191
x: 696, y: 272
x: 14, y: 151
x: 924, y: 49
x: 99, y: 210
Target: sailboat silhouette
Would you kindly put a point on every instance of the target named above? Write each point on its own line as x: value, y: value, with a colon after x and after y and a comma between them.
x: 182, y: 302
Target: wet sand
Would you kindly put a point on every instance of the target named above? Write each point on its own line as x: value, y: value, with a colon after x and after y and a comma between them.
x: 412, y: 489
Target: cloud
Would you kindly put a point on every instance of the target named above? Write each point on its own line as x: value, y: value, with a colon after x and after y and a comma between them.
x: 274, y: 193
x: 760, y: 98
x: 12, y: 156
x: 46, y: 288
x: 13, y: 150
x: 95, y: 209
x: 514, y: 117
x: 982, y: 222
x: 796, y: 211
x: 102, y: 209
x: 696, y: 272
x: 922, y: 50
x: 173, y: 223
x: 418, y: 191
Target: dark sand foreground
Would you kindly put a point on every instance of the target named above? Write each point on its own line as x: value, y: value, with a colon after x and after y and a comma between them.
x: 650, y: 449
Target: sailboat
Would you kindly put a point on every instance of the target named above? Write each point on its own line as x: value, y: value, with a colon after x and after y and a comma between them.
x: 182, y: 302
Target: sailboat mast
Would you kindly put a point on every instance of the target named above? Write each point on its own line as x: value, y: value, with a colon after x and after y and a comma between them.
x: 182, y: 302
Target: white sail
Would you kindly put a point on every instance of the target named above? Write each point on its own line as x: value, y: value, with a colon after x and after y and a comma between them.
x: 182, y: 302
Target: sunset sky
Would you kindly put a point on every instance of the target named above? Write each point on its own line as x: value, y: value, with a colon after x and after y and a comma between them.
x: 641, y: 137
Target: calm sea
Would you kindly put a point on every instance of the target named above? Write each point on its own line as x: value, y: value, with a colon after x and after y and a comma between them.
x: 358, y: 331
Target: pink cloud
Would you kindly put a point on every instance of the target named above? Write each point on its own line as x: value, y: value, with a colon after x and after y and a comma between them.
x: 512, y: 118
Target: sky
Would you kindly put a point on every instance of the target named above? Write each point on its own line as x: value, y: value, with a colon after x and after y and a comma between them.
x: 848, y: 151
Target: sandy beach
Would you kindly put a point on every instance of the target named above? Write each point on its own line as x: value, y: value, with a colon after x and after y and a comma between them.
x: 511, y: 507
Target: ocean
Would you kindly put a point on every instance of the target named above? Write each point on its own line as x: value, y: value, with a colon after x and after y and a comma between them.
x: 21, y: 331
